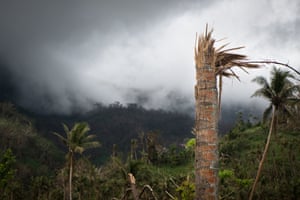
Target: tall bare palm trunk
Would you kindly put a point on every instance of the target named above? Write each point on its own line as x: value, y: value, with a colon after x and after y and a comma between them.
x: 210, y: 63
x: 206, y: 153
x: 274, y: 115
x: 70, y: 175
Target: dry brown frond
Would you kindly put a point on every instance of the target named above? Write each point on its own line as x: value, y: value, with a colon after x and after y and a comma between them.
x: 224, y: 59
x: 204, y: 49
x: 220, y: 96
x: 221, y: 59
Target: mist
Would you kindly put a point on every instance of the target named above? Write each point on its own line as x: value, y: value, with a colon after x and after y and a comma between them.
x: 64, y: 55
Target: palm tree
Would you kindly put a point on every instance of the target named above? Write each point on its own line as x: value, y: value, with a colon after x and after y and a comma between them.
x: 210, y: 63
x: 77, y: 141
x: 282, y: 94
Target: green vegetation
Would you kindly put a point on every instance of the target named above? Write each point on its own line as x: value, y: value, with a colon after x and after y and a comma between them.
x: 33, y: 167
x: 240, y: 152
x: 282, y: 93
x: 7, y: 171
x: 77, y: 141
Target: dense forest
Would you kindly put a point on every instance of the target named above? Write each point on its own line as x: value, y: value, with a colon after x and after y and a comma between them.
x: 118, y: 124
x: 155, y: 146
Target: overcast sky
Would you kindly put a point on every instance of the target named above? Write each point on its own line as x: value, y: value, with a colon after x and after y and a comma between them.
x: 56, y: 55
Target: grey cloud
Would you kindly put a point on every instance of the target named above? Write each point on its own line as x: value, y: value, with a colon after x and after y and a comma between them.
x: 66, y: 54
x: 43, y: 43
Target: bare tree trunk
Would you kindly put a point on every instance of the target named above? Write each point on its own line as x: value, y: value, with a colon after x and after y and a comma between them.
x: 206, y: 152
x: 70, y: 175
x: 274, y: 113
x: 133, y: 186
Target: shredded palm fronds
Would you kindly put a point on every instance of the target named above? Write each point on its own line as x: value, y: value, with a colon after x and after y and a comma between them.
x: 221, y: 59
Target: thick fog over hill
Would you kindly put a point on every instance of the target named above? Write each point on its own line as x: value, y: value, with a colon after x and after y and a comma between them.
x: 56, y: 56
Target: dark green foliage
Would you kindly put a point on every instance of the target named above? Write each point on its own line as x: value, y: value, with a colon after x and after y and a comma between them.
x: 186, y: 190
x: 44, y: 187
x: 281, y: 93
x: 168, y: 168
x: 233, y: 187
x: 7, y: 160
x: 30, y: 155
x: 7, y: 172
x: 239, y: 157
x: 168, y: 173
x: 175, y: 155
x: 283, y: 96
x: 18, y: 134
x: 119, y: 124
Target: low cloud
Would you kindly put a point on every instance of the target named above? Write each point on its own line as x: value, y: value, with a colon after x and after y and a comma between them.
x: 74, y: 54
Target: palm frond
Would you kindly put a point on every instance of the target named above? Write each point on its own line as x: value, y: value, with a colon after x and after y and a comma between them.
x: 79, y: 149
x: 77, y: 138
x: 226, y: 74
x: 281, y: 92
x: 221, y: 47
x: 90, y: 137
x: 267, y: 113
x: 63, y: 139
x: 279, y: 80
x: 230, y: 60
x: 290, y: 91
x: 261, y: 81
x: 287, y: 111
x: 93, y: 144
x: 221, y: 59
x: 66, y: 128
x: 235, y: 75
x: 204, y: 43
x: 293, y: 101
x: 219, y: 94
x: 228, y: 50
x: 263, y: 92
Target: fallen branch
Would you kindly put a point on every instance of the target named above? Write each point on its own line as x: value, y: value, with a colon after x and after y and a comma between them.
x: 171, y: 196
x: 150, y: 189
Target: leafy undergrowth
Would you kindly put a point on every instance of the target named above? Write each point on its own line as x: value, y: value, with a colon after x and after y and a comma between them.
x: 240, y: 153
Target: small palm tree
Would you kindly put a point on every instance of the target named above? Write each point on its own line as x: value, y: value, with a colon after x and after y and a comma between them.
x: 282, y: 94
x: 77, y: 141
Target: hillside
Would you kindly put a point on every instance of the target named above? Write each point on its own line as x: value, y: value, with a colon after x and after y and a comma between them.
x: 240, y: 152
x: 36, y: 166
x: 118, y: 124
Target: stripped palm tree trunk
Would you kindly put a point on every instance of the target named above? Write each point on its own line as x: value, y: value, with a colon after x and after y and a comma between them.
x: 70, y: 174
x: 263, y: 158
x: 133, y: 186
x: 210, y: 63
x: 206, y: 131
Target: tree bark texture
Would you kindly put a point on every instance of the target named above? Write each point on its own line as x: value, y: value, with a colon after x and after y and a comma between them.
x: 206, y: 120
